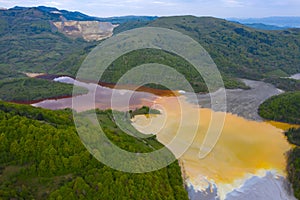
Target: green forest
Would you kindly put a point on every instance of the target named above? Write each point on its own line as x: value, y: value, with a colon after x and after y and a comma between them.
x: 135, y: 58
x: 31, y: 89
x: 29, y: 43
x: 143, y: 111
x: 293, y: 166
x: 286, y: 108
x: 237, y: 50
x: 286, y: 84
x: 42, y: 157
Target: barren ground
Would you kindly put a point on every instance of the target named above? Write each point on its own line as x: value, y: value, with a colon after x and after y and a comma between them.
x: 244, y: 103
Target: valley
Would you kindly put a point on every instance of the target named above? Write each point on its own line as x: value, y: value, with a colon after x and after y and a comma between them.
x: 42, y: 155
x: 232, y: 163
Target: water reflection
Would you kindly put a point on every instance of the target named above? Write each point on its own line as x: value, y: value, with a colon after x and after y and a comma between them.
x: 102, y: 98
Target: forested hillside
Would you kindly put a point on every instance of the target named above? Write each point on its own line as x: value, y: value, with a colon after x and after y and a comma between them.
x: 41, y: 157
x: 284, y: 107
x: 238, y: 50
x: 30, y: 89
x: 29, y: 43
x: 135, y: 58
x: 293, y: 166
x: 286, y: 84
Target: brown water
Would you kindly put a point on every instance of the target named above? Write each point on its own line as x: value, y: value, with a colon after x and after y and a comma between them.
x: 102, y: 97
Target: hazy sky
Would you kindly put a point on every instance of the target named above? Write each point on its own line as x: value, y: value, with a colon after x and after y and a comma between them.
x: 217, y: 8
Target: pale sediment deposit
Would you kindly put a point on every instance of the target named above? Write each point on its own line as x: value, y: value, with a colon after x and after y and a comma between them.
x: 33, y: 75
x: 244, y: 103
x: 296, y: 76
x: 88, y: 30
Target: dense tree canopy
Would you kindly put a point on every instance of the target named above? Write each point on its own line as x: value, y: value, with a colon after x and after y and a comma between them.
x: 41, y: 157
x: 284, y: 107
x: 30, y: 89
x: 29, y: 43
x: 293, y: 166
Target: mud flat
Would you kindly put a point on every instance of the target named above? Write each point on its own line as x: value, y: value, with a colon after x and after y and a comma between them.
x: 88, y: 30
x: 243, y: 103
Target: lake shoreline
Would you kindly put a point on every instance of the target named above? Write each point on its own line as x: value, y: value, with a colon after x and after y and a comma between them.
x: 274, y: 186
x: 192, y: 189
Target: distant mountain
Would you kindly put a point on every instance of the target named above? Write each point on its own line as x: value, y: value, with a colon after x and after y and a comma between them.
x: 261, y: 26
x: 292, y: 22
x: 68, y: 15
x: 78, y: 16
x: 124, y: 19
x: 29, y: 42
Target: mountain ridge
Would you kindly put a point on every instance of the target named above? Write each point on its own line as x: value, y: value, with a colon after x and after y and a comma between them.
x: 281, y: 21
x: 78, y: 16
x: 30, y: 44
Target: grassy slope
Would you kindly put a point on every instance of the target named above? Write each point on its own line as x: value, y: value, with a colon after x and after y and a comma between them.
x: 41, y: 157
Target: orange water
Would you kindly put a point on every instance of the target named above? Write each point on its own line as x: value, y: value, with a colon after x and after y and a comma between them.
x: 283, y: 126
x: 244, y: 147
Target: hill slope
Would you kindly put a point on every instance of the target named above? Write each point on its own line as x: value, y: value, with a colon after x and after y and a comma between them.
x: 239, y: 50
x: 28, y: 42
x: 284, y: 107
x: 42, y: 157
x: 265, y: 26
x: 78, y: 16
